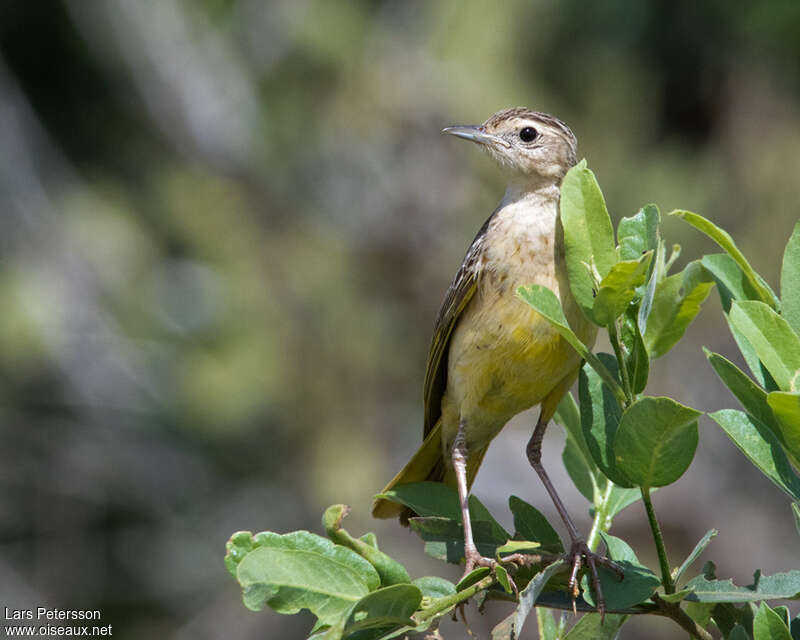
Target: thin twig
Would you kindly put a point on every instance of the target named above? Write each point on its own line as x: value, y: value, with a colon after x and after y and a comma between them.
x: 673, y: 611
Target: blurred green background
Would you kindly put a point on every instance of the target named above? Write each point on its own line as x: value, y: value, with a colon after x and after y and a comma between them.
x: 227, y: 226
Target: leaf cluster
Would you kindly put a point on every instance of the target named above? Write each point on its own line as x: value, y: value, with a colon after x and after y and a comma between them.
x: 621, y: 445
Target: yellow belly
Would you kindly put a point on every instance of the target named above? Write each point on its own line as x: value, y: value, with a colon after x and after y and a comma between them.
x: 504, y: 358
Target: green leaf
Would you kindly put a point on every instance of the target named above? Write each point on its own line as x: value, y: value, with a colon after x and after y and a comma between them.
x: 620, y: 498
x: 637, y: 361
x: 370, y: 539
x: 530, y: 524
x: 588, y: 235
x: 476, y: 575
x: 435, y: 587
x: 639, y: 234
x: 796, y: 516
x: 732, y: 285
x: 383, y: 610
x: 528, y: 597
x: 548, y: 305
x: 774, y: 341
x: 592, y: 627
x: 547, y: 624
x: 577, y: 459
x: 752, y: 397
x: 786, y: 407
x: 790, y: 280
x: 444, y: 537
x: 656, y: 441
x: 678, y: 596
x: 727, y: 617
x: 518, y: 546
x: 237, y: 547
x: 436, y: 499
x: 676, y: 303
x: 618, y: 288
x: 657, y: 274
x: 767, y: 625
x: 738, y: 633
x: 301, y: 570
x: 502, y: 578
x: 600, y: 413
x: 698, y: 549
x: 567, y: 416
x: 761, y: 446
x: 700, y: 612
x: 390, y: 571
x: 780, y: 586
x: 637, y: 586
x: 579, y: 468
x: 724, y: 240
x: 784, y: 613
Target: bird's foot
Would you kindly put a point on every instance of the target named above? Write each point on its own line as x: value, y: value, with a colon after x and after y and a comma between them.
x: 473, y: 560
x: 581, y: 555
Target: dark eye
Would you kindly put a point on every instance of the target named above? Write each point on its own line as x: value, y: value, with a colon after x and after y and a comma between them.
x: 528, y: 134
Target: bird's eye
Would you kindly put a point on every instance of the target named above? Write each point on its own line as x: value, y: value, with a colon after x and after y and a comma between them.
x: 528, y: 134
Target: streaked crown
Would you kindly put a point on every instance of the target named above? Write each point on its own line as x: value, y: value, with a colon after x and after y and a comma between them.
x: 526, y: 143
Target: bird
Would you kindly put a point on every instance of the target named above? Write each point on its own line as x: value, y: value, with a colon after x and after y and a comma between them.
x: 492, y: 356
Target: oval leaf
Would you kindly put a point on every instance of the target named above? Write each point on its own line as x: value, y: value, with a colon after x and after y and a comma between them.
x: 530, y: 524
x: 774, y: 341
x: 301, y: 570
x: 618, y: 288
x: 761, y: 446
x: 635, y: 353
x: 435, y: 587
x: 724, y: 240
x: 752, y: 397
x: 593, y: 626
x: 790, y: 281
x: 767, y: 625
x: 786, y: 407
x: 637, y: 586
x: 600, y: 414
x: 639, y: 234
x: 656, y: 441
x: 384, y: 609
x: 588, y: 235
x: 676, y: 303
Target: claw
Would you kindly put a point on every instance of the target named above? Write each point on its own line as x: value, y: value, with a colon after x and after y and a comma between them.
x: 580, y: 555
x: 474, y: 559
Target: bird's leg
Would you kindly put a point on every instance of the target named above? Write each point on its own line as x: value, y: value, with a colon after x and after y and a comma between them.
x: 579, y: 552
x: 459, y: 457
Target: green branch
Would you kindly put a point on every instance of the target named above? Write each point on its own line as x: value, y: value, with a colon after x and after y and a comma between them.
x: 666, y: 575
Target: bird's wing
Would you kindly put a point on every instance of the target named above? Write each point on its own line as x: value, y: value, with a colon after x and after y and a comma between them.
x: 456, y: 300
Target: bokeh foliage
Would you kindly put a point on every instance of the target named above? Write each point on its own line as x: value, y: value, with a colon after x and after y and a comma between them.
x: 227, y: 225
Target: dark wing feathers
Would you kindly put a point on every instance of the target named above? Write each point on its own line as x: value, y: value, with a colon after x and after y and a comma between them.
x: 456, y: 300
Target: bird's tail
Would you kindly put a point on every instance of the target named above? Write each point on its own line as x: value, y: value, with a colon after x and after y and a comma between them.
x: 428, y: 464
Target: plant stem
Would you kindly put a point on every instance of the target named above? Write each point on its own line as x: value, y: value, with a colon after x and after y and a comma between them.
x: 666, y: 577
x: 623, y: 370
x: 674, y: 612
x: 442, y: 604
x: 600, y: 517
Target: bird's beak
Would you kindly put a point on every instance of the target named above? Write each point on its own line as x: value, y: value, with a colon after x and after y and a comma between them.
x: 475, y: 133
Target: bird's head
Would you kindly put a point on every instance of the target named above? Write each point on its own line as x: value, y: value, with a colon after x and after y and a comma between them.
x: 528, y: 145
